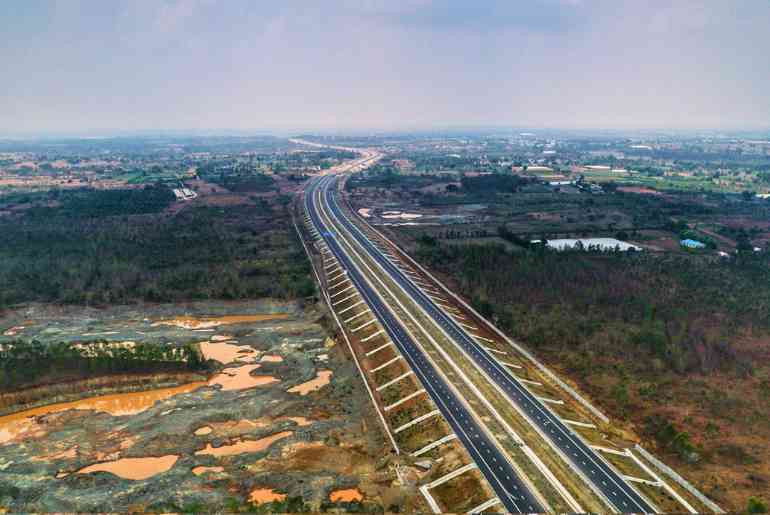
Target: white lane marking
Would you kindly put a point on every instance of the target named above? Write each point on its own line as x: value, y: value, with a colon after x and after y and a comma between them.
x: 546, y: 399
x: 338, y: 302
x: 416, y: 421
x: 373, y: 335
x: 485, y: 505
x: 342, y: 291
x: 404, y: 399
x: 351, y: 306
x: 527, y: 381
x: 394, y: 381
x: 389, y: 362
x: 579, y: 424
x: 367, y: 310
x: 332, y: 286
x: 451, y: 475
x: 378, y: 349
x: 365, y: 324
x: 433, y: 445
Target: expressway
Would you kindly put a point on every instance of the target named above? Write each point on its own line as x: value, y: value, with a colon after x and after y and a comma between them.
x: 603, y: 478
x: 366, y: 158
x: 495, y: 467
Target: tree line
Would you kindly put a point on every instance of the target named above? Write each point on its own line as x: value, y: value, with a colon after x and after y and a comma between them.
x: 31, y: 363
x: 202, y: 253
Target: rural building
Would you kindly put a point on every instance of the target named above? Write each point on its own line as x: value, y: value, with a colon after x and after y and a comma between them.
x: 692, y: 244
x: 601, y: 244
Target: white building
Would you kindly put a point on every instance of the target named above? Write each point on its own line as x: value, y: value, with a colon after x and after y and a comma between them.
x: 602, y: 244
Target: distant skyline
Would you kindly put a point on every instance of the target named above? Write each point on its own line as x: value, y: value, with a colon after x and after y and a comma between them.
x: 92, y: 67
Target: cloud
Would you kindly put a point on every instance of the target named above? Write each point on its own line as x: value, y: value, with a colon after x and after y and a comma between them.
x: 375, y: 63
x: 172, y: 14
x: 536, y: 15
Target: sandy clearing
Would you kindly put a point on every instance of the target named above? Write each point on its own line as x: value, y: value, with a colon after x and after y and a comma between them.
x: 134, y: 468
x: 118, y: 404
x: 322, y: 378
x: 204, y: 470
x: 347, y: 495
x: 208, y: 322
x: 265, y: 495
x: 243, y: 446
x: 227, y: 352
x: 240, y: 378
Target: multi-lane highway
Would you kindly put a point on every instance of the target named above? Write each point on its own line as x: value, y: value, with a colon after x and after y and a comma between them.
x: 584, y: 460
x: 366, y: 157
x: 511, y: 490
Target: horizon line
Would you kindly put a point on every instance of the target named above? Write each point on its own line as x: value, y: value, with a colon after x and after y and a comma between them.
x: 111, y: 133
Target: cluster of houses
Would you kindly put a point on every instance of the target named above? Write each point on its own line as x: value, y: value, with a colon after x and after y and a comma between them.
x: 184, y: 194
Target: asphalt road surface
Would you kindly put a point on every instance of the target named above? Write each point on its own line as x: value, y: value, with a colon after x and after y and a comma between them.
x: 510, y: 489
x: 622, y: 496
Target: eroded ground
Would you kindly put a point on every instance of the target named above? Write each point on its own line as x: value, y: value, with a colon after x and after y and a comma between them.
x: 306, y: 432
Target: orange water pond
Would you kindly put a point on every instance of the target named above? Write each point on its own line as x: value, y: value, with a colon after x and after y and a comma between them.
x: 263, y: 495
x: 240, y: 378
x: 117, y: 404
x: 348, y: 495
x: 322, y: 378
x: 243, y: 446
x: 133, y: 468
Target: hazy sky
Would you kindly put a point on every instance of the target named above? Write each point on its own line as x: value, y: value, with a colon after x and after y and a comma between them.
x: 78, y: 65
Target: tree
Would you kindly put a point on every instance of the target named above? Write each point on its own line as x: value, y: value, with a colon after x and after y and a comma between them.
x: 427, y: 240
x: 483, y: 306
x: 756, y: 505
x: 743, y: 244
